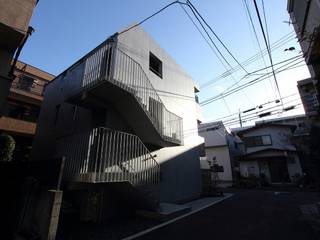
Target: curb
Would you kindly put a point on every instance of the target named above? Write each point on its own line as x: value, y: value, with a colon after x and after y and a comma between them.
x: 139, y: 234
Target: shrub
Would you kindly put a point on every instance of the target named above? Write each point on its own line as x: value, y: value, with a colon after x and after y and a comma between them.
x: 7, y: 145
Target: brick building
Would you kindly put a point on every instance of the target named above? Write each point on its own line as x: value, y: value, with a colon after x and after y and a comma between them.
x: 21, y: 110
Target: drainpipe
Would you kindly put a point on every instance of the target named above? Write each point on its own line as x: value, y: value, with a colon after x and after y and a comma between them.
x: 24, y: 40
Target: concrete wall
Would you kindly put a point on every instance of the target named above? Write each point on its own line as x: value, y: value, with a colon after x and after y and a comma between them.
x: 180, y: 166
x: 16, y: 13
x: 222, y: 157
x: 176, y: 89
x: 180, y: 173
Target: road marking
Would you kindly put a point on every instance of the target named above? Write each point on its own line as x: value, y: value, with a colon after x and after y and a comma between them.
x: 139, y: 234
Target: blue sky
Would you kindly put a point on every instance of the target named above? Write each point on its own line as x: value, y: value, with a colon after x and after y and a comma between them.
x: 66, y: 30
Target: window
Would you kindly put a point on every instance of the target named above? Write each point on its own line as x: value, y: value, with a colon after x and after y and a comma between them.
x: 256, y: 141
x: 155, y: 65
x: 26, y: 83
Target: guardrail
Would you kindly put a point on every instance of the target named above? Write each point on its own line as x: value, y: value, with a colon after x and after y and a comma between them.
x: 105, y: 155
x: 29, y: 84
x: 108, y: 63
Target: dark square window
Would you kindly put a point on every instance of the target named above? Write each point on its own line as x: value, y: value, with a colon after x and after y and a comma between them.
x: 155, y: 64
x: 25, y: 83
x: 256, y: 141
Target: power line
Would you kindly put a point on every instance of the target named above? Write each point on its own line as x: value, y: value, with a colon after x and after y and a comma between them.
x: 280, y: 42
x: 232, y: 91
x: 216, y: 47
x: 210, y: 38
x: 255, y: 34
x: 236, y: 113
x: 254, y: 81
x: 249, y: 117
x: 268, y: 48
x: 263, y: 110
x: 147, y: 18
x: 271, y: 113
x: 196, y: 26
x: 217, y: 37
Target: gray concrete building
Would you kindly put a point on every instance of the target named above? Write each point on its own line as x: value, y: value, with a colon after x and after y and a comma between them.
x: 125, y: 118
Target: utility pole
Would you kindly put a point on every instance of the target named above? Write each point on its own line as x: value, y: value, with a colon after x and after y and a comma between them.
x: 240, y: 121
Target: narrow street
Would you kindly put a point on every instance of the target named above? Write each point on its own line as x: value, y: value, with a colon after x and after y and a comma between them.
x: 249, y: 214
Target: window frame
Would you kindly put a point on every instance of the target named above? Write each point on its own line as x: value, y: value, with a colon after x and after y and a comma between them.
x: 154, y: 58
x: 257, y: 144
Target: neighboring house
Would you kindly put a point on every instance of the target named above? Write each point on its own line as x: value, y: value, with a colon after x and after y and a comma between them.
x: 125, y: 118
x: 301, y: 139
x: 14, y: 31
x: 217, y: 151
x: 22, y: 108
x: 269, y: 151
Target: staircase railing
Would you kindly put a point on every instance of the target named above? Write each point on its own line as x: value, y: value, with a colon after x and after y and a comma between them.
x: 105, y: 155
x: 108, y: 63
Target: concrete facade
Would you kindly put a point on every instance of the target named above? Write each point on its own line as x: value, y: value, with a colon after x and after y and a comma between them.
x: 179, y: 164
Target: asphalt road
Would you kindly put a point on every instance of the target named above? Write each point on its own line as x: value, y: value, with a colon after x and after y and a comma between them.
x: 249, y: 214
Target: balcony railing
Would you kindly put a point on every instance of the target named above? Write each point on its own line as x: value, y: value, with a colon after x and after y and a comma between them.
x: 108, y: 63
x: 105, y: 155
x: 29, y: 85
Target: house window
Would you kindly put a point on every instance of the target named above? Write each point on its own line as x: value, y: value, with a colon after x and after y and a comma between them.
x: 26, y: 83
x: 155, y: 65
x: 256, y: 141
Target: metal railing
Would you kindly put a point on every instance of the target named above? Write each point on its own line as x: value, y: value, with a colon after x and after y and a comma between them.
x: 29, y: 84
x: 108, y: 63
x: 105, y: 155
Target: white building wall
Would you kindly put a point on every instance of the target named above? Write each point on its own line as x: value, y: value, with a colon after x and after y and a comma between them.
x: 222, y: 157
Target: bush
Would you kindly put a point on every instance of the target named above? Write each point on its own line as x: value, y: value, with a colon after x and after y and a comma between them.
x: 7, y: 145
